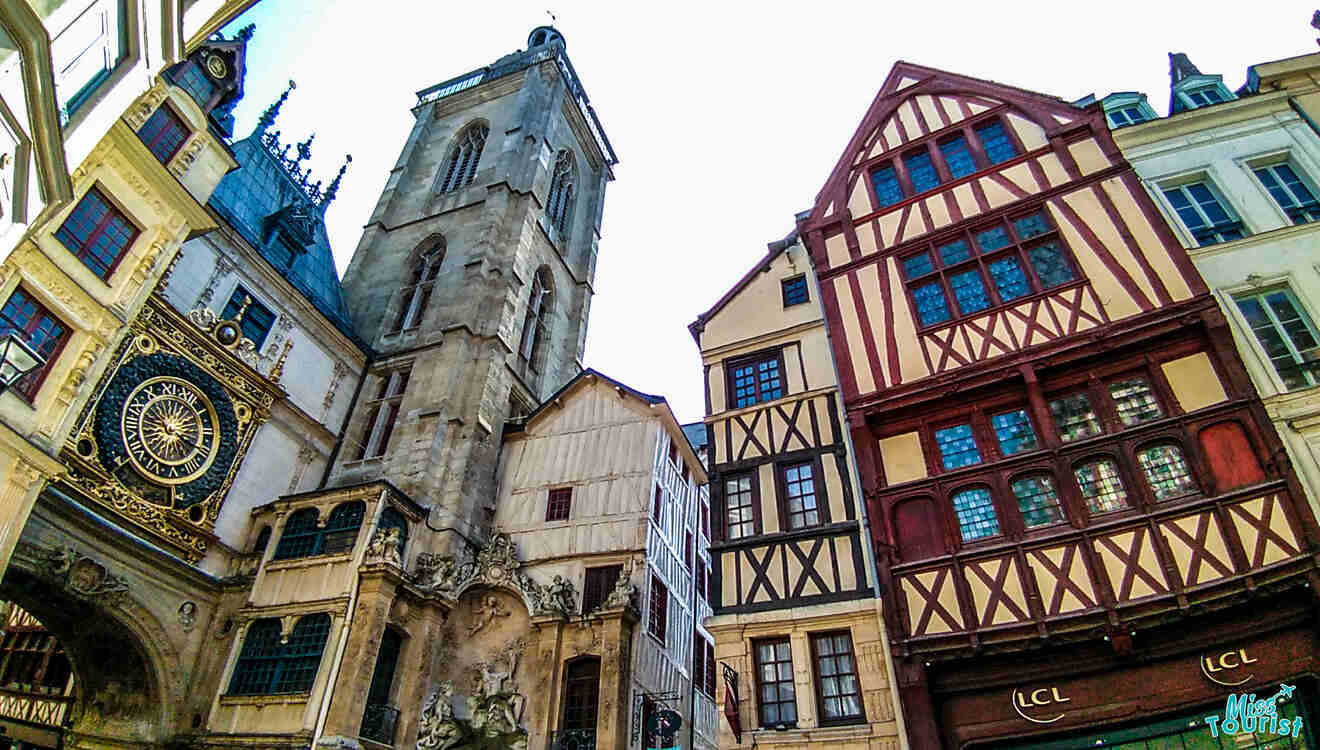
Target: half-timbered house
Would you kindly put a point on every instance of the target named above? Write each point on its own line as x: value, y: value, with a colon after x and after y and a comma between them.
x: 1084, y: 531
x: 795, y: 620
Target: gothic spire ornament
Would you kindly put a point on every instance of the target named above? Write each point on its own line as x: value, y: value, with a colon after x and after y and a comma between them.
x: 268, y: 117
x: 333, y: 189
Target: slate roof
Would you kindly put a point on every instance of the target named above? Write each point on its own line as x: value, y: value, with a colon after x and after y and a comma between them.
x: 262, y: 186
x: 696, y: 435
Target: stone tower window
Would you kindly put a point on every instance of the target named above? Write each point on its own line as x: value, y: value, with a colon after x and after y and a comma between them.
x: 417, y: 294
x: 461, y: 167
x: 563, y: 187
x: 535, y: 324
x: 384, y: 410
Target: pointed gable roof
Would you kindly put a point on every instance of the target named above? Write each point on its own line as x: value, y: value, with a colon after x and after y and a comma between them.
x: 915, y: 101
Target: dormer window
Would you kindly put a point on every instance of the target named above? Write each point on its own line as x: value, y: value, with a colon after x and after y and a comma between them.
x: 1126, y: 116
x: 1127, y: 108
x: 952, y: 157
x: 1203, y: 97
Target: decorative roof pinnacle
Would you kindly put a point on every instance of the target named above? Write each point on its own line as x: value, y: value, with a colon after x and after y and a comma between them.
x: 268, y: 117
x: 333, y: 189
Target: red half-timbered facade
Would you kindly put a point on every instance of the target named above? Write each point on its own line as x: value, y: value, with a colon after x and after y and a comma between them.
x: 1074, y: 493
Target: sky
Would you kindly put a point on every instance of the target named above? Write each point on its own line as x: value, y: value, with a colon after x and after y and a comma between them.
x: 726, y: 117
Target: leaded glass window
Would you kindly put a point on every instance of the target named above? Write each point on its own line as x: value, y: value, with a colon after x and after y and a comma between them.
x: 1052, y: 268
x: 1286, y: 333
x: 1014, y: 431
x: 258, y: 661
x: 957, y: 446
x: 1290, y: 192
x: 932, y: 308
x: 1166, y: 471
x: 921, y: 170
x: 301, y: 656
x: 1010, y: 280
x: 1101, y: 486
x: 917, y: 265
x: 952, y: 253
x: 887, y: 189
x: 266, y: 666
x: 976, y: 514
x: 969, y: 291
x: 1074, y: 417
x: 1038, y: 501
x: 461, y: 167
x: 301, y: 537
x: 756, y: 380
x: 958, y: 157
x: 163, y: 133
x: 993, y: 239
x: 1135, y: 401
x: 1031, y: 225
x: 998, y: 146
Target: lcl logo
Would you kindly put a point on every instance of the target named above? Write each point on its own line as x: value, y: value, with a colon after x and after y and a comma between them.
x: 1044, y: 700
x: 1223, y: 667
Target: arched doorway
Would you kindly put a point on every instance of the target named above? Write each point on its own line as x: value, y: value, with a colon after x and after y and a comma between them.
x: 36, y: 683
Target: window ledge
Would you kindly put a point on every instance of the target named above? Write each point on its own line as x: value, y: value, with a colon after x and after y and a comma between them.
x: 307, y: 562
x: 264, y: 700
x: 860, y: 728
x: 362, y: 462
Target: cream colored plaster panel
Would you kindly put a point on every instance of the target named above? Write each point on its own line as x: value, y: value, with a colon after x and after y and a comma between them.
x: 1117, y: 302
x: 1021, y: 176
x: 1194, y: 381
x: 903, y: 459
x: 996, y: 195
x: 836, y: 249
x: 1031, y: 134
x: 1054, y: 171
x: 1160, y: 259
x: 966, y: 200
x: 765, y: 474
x: 908, y: 116
x: 844, y: 559
x: 715, y: 384
x: 817, y: 357
x: 795, y: 574
x: 932, y: 115
x: 915, y: 226
x: 729, y: 593
x: 939, y: 211
x: 904, y: 82
x: 759, y: 306
x: 911, y: 364
x: 889, y: 228
x: 1088, y: 206
x: 852, y: 331
x: 867, y: 242
x: 890, y: 133
x: 717, y: 449
x: 833, y: 487
x: 868, y: 278
x: 793, y: 370
x: 859, y: 202
x: 952, y: 109
x: 1088, y: 156
x: 976, y: 108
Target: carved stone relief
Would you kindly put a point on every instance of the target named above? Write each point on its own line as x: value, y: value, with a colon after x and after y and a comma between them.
x: 384, y: 547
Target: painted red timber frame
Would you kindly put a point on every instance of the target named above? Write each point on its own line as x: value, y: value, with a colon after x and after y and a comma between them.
x: 956, y: 681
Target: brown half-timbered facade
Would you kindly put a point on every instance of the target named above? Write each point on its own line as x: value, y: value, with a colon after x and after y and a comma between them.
x: 1065, y: 469
x: 797, y: 632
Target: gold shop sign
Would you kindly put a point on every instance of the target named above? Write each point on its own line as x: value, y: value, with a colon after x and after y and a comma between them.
x: 1227, y: 668
x: 1034, y: 704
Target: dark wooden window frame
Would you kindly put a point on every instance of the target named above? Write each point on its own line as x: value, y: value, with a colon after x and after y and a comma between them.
x: 1018, y: 247
x: 558, y: 504
x: 657, y: 620
x: 29, y: 385
x: 113, y: 210
x: 597, y: 582
x: 781, y: 490
x: 817, y: 682
x: 721, y: 504
x: 784, y: 290
x: 731, y: 364
x: 756, y: 661
x: 931, y: 143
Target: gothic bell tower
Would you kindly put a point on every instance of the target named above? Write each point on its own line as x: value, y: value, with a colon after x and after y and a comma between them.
x: 473, y: 279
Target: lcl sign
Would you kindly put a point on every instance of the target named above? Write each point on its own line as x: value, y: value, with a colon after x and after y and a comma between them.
x: 1227, y: 668
x: 1033, y: 704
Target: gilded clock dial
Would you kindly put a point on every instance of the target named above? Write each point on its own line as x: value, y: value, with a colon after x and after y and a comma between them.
x: 170, y: 429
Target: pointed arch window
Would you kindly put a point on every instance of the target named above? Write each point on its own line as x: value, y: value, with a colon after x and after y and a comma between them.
x: 417, y: 294
x: 535, y: 322
x: 461, y: 166
x: 563, y: 191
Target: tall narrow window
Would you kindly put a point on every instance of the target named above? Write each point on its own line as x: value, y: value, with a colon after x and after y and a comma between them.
x: 461, y: 166
x: 837, y: 688
x: 658, y: 506
x: 921, y: 170
x: 597, y: 585
x: 1166, y: 471
x: 976, y: 514
x: 1290, y: 192
x: 1101, y: 486
x: 558, y: 502
x: 266, y: 666
x: 341, y: 528
x: 687, y: 548
x: 698, y: 660
x: 559, y: 205
x: 1286, y: 334
x: 254, y: 318
x: 800, y: 495
x: 378, y: 722
x: 302, y: 654
x: 97, y: 233
x: 739, y: 513
x: 888, y: 191
x: 710, y: 668
x: 1203, y: 213
x: 701, y: 579
x: 998, y: 146
x: 391, y: 518
x: 581, y: 696
x: 258, y: 661
x: 659, y: 620
x: 1038, y: 501
x: 163, y: 133
x: 776, y: 698
x: 417, y: 294
x: 44, y: 332
x: 383, y: 411
x: 263, y: 540
x: 535, y: 321
x: 756, y: 379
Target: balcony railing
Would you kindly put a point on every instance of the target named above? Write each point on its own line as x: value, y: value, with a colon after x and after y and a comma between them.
x: 379, y: 722
x: 573, y: 739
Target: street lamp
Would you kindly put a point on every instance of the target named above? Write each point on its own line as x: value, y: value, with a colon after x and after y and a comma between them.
x: 17, y: 359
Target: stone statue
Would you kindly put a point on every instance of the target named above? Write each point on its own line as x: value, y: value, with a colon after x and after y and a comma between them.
x: 561, y: 597
x: 437, y: 729
x: 437, y: 573
x: 624, y: 592
x: 384, y: 546
x: 187, y: 615
x: 488, y: 611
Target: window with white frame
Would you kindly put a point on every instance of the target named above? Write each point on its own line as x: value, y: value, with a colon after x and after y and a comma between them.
x: 1127, y: 115
x: 1286, y: 333
x: 87, y: 41
x: 1204, y: 213
x: 1203, y: 97
x: 1290, y: 191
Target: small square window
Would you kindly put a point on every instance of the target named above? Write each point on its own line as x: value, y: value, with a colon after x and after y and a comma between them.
x: 1014, y: 431
x: 1031, y: 225
x: 1074, y: 417
x: 1038, y: 501
x: 921, y: 170
x: 958, y: 157
x: 1101, y: 486
x: 957, y: 446
x: 1135, y: 401
x: 969, y: 291
x: 1166, y: 471
x: 1051, y: 267
x: 253, y: 317
x: 998, y: 146
x: 163, y: 133
x: 558, y: 504
x: 794, y: 290
x: 992, y: 239
x: 976, y: 514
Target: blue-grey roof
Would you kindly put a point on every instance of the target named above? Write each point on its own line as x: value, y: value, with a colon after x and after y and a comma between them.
x: 696, y: 434
x: 249, y: 196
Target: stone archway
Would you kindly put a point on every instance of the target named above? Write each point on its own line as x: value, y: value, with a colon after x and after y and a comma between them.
x: 113, y: 645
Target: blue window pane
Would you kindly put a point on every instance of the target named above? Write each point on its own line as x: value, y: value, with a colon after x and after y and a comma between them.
x: 1010, y: 280
x: 917, y: 266
x: 969, y: 290
x: 768, y: 381
x: 932, y: 308
x: 958, y: 157
x: 1031, y: 226
x: 887, y: 190
x: 1183, y: 206
x: 1051, y: 267
x: 998, y: 147
x: 992, y: 239
x: 921, y: 170
x: 957, y: 446
x: 757, y: 381
x: 976, y: 514
x: 954, y: 252
x: 1276, y: 188
x: 1014, y: 432
x: 794, y: 291
x: 1208, y: 203
x: 1038, y: 501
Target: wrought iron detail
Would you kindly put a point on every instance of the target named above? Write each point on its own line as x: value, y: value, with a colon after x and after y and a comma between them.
x: 573, y: 739
x: 379, y: 722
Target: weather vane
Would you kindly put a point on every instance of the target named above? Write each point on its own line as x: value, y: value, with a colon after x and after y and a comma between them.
x: 552, y: 17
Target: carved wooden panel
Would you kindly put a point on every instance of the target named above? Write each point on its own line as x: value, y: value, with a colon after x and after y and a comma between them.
x: 1062, y: 578
x: 1131, y: 564
x: 932, y: 602
x: 1266, y: 534
x: 1199, y: 551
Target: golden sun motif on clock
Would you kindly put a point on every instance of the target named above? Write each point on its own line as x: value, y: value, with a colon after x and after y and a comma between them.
x: 170, y: 430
